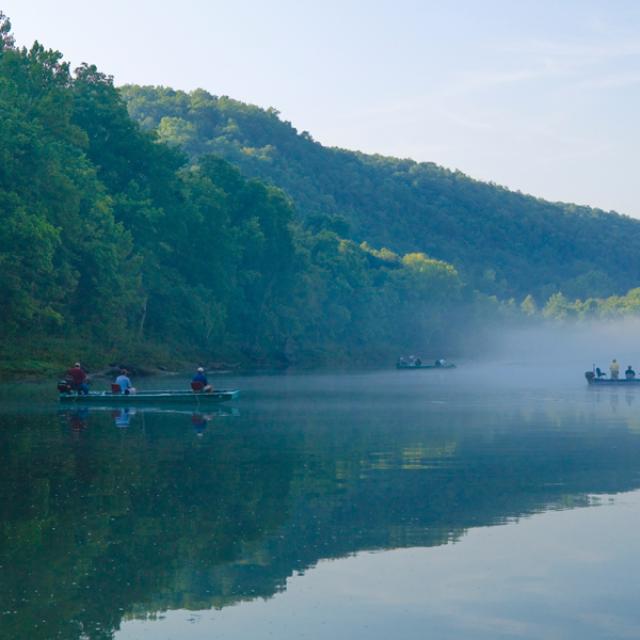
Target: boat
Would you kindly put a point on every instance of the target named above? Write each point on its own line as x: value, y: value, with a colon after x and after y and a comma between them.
x: 592, y: 379
x: 409, y: 365
x: 163, y: 396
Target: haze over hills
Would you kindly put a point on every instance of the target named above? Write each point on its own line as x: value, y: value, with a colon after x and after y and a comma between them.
x: 502, y: 242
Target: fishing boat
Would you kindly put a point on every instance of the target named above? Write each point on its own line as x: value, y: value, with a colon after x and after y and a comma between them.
x: 413, y: 365
x: 166, y: 396
x: 592, y: 379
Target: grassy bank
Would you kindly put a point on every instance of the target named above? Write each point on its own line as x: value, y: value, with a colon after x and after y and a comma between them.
x: 40, y: 358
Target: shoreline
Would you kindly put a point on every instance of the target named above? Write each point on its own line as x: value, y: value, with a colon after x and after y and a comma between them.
x: 48, y: 359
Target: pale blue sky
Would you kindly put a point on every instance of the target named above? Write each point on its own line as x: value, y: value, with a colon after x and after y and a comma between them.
x: 539, y: 96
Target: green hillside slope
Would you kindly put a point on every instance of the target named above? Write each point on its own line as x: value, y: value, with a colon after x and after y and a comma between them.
x: 113, y: 244
x: 502, y: 242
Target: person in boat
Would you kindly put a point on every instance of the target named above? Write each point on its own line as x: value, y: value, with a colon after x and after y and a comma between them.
x: 600, y: 373
x: 629, y: 374
x: 124, y: 382
x: 201, y: 378
x: 77, y: 378
x: 614, y: 369
x: 417, y: 361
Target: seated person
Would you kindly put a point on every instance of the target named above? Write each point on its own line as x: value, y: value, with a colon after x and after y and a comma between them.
x: 78, y: 379
x: 629, y: 374
x: 201, y: 378
x: 600, y: 373
x: 124, y: 383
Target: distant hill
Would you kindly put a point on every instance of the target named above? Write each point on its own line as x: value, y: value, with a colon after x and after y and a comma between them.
x: 502, y: 242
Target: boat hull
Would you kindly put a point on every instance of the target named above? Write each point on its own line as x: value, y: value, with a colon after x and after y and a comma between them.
x: 425, y: 366
x: 146, y: 397
x: 608, y: 382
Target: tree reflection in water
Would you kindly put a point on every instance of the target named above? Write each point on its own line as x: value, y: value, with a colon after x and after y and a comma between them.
x: 102, y: 523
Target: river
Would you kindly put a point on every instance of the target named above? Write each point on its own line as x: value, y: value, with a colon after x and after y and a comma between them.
x: 471, y: 503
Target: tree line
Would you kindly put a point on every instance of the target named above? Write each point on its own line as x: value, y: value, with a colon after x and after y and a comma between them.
x: 112, y: 236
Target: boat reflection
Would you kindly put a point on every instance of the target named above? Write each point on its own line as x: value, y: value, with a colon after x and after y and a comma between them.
x: 123, y: 417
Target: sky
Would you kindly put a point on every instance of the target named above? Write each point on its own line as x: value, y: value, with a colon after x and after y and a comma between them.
x: 539, y: 96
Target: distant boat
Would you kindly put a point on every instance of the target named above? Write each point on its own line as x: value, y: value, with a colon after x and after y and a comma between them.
x: 592, y: 379
x: 413, y: 365
x: 161, y: 397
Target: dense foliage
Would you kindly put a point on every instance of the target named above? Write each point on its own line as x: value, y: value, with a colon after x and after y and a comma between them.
x: 559, y: 307
x: 110, y: 234
x: 502, y: 243
x: 131, y: 233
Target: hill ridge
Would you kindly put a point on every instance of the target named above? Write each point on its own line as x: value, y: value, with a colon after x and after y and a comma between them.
x: 503, y: 241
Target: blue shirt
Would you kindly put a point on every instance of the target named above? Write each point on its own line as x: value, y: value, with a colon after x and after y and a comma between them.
x: 200, y: 377
x: 124, y: 382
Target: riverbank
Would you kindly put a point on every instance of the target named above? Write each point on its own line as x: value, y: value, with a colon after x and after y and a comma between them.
x: 39, y: 359
x: 43, y: 359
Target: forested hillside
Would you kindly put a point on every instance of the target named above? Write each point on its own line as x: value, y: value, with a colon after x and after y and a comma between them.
x: 111, y: 238
x: 127, y: 235
x: 502, y: 242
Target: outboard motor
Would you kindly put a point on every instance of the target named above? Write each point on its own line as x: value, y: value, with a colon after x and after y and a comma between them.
x: 64, y: 386
x: 589, y: 375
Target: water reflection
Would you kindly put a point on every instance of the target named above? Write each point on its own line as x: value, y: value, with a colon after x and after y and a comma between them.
x: 116, y: 514
x: 78, y: 418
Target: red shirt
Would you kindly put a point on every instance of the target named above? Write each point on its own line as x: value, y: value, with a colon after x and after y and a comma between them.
x: 77, y: 375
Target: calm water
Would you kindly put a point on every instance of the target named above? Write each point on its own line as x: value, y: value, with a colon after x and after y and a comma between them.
x: 375, y: 505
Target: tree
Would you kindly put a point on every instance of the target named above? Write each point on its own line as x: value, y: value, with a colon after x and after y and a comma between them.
x: 528, y: 306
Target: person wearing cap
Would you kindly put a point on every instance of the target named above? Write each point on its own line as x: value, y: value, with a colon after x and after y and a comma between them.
x: 78, y: 379
x: 200, y: 377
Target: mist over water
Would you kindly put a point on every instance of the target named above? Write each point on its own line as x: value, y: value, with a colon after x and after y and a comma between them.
x: 572, y: 345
